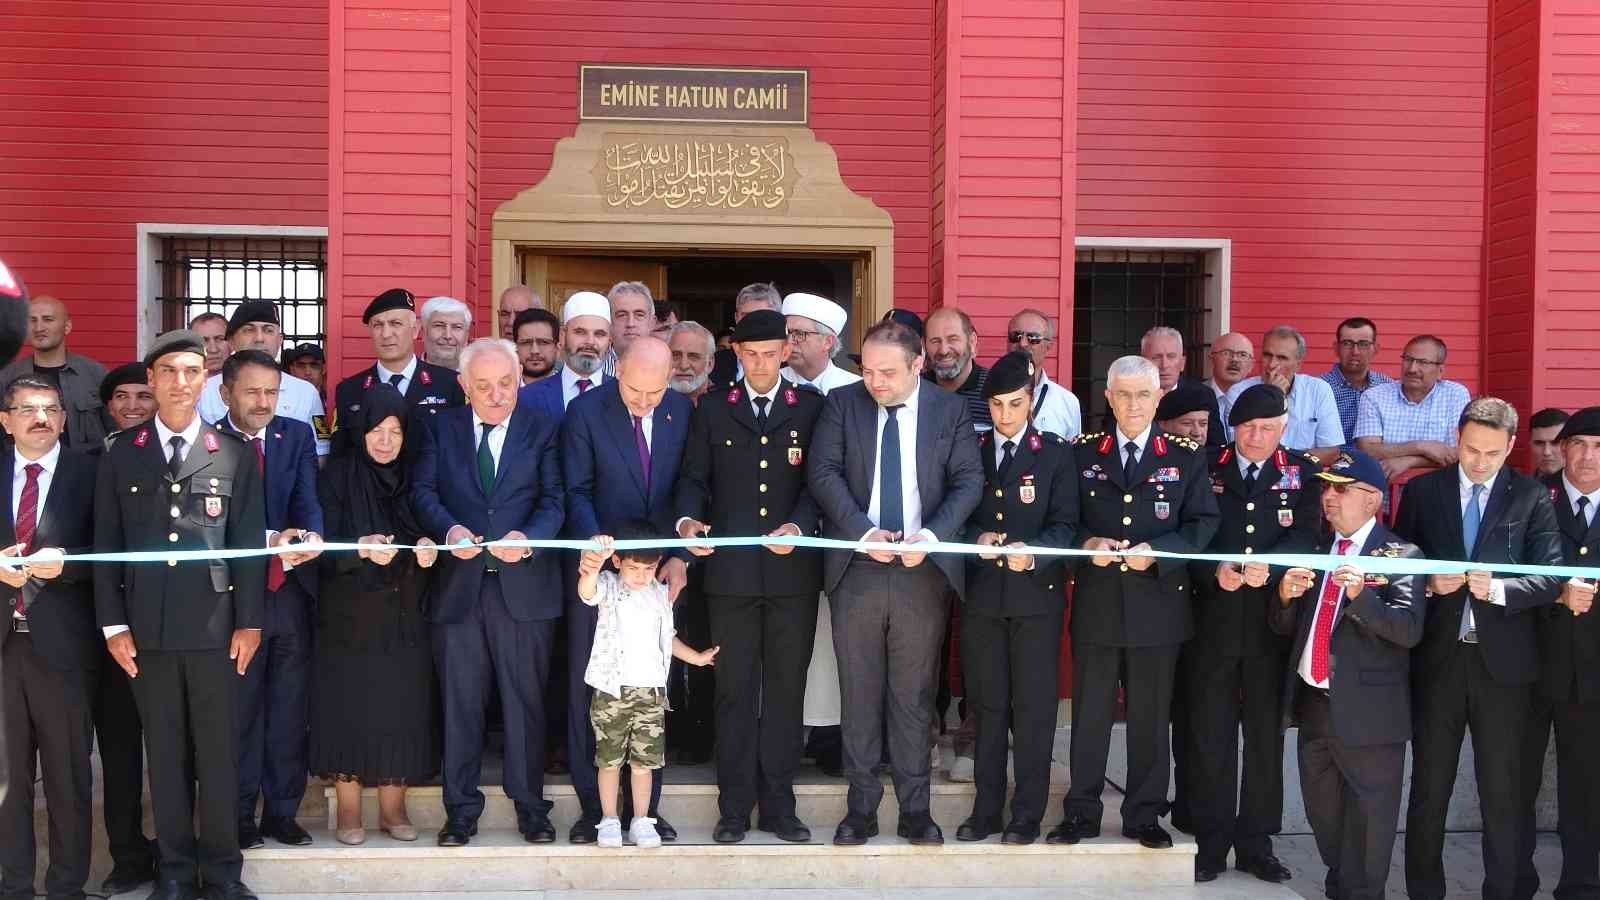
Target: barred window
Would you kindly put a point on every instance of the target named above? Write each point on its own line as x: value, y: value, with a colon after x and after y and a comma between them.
x: 204, y: 273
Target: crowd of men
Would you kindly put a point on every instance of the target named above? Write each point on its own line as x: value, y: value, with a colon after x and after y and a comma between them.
x: 567, y: 424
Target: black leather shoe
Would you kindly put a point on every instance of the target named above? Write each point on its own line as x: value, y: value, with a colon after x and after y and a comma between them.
x: 1206, y: 872
x: 284, y: 831
x: 1073, y: 830
x: 170, y: 889
x: 583, y: 830
x: 730, y: 830
x: 665, y: 829
x: 1267, y: 868
x: 538, y: 830
x: 786, y: 828
x: 920, y: 830
x: 125, y: 877
x: 250, y: 836
x: 1020, y: 833
x: 976, y: 829
x: 234, y: 891
x: 1152, y: 836
x: 457, y: 833
x: 855, y: 830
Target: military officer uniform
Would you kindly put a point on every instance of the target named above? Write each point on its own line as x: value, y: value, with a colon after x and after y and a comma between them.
x: 1127, y: 625
x: 1011, y: 621
x: 1267, y: 506
x: 182, y: 616
x: 426, y: 387
x: 744, y: 473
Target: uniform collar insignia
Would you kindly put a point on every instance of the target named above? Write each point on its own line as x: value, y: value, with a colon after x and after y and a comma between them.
x: 733, y: 395
x: 366, y: 384
x: 143, y: 438
x: 211, y: 441
x: 1105, y: 444
x: 423, y: 376
x: 790, y: 398
x: 1160, y: 442
x: 1033, y: 442
x: 1224, y: 456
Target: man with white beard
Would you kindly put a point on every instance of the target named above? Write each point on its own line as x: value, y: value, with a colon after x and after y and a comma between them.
x: 693, y: 351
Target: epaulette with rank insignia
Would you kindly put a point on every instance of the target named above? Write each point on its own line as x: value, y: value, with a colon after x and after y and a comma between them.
x: 1186, y: 443
x: 1088, y: 436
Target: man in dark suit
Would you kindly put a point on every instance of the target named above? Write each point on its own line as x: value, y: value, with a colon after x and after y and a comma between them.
x: 1568, y: 692
x: 1479, y: 657
x: 1141, y: 489
x: 1268, y: 502
x: 621, y: 447
x: 485, y: 473
x: 762, y: 601
x: 49, y: 643
x: 13, y: 325
x: 391, y: 320
x: 1346, y: 681
x: 893, y: 460
x: 184, y: 630
x: 273, y: 695
x: 1011, y: 622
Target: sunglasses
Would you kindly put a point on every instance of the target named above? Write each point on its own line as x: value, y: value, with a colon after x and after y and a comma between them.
x: 1032, y: 337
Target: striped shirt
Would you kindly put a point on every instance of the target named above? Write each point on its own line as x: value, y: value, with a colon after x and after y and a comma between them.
x: 1386, y: 414
x: 1348, y: 396
x: 971, y: 390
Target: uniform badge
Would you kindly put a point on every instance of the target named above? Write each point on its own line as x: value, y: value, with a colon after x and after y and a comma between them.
x: 366, y: 385
x: 213, y: 506
x: 143, y: 437
x: 1165, y: 474
x: 1163, y: 510
x: 733, y: 395
x: 1034, y: 444
x: 1289, y: 480
x: 795, y: 455
x: 1088, y: 473
x: 1105, y: 445
x: 424, y: 377
x: 320, y: 425
x: 1025, y: 493
x: 1285, y: 517
x: 211, y: 441
x: 790, y: 398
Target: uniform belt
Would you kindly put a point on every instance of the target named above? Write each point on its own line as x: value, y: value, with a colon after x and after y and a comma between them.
x: 20, y: 626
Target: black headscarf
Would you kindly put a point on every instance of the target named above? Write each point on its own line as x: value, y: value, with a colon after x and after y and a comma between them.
x: 372, y: 497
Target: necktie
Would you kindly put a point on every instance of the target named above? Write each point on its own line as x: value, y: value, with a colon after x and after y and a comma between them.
x: 395, y: 378
x: 1132, y: 450
x: 275, y: 576
x: 1250, y: 476
x: 891, y: 504
x: 644, y: 451
x: 485, y: 460
x: 761, y: 413
x: 1583, y: 510
x: 1007, y: 453
x: 1471, y: 517
x: 27, y: 517
x: 176, y: 462
x: 584, y: 384
x: 1322, y: 629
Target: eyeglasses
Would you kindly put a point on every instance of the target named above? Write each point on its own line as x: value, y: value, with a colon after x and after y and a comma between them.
x: 31, y: 411
x: 1032, y: 337
x: 796, y: 336
x: 1416, y: 361
x: 1363, y: 346
x: 1241, y: 355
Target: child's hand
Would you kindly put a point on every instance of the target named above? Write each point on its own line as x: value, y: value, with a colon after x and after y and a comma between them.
x: 706, y: 657
x: 590, y: 561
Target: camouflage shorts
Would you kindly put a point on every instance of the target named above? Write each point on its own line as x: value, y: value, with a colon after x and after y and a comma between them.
x: 630, y: 729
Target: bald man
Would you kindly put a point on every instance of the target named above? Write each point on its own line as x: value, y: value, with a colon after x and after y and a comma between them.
x: 513, y: 300
x: 78, y: 377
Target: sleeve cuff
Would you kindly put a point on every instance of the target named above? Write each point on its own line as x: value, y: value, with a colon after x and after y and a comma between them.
x: 1497, y: 591
x: 112, y: 631
x: 927, y: 535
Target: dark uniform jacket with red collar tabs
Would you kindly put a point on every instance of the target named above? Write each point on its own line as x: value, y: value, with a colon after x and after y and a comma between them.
x: 1569, y: 645
x: 1169, y: 505
x: 1034, y: 501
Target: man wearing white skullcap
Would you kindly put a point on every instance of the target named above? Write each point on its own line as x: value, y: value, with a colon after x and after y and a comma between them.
x: 815, y: 324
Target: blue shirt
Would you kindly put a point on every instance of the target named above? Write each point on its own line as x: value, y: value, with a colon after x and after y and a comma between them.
x: 1348, y: 396
x: 1386, y: 414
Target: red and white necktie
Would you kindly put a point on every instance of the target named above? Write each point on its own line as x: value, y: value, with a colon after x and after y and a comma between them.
x: 1322, y: 629
x: 275, y: 576
x: 27, y: 518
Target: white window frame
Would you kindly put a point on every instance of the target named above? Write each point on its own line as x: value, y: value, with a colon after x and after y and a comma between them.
x: 1218, y: 256
x: 148, y: 272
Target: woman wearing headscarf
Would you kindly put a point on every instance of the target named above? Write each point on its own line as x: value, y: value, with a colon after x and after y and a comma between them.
x: 373, y: 715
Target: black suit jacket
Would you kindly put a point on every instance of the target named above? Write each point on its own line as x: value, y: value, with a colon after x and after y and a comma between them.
x: 1369, y: 651
x: 1035, y: 502
x: 60, y: 611
x: 1519, y: 527
x: 744, y: 480
x: 1280, y: 514
x: 215, y: 503
x: 1569, y: 645
x: 844, y: 462
x: 432, y: 388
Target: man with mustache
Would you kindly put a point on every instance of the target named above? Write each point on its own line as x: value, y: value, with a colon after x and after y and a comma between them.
x: 536, y: 332
x: 693, y: 349
x: 1232, y: 358
x: 585, y: 343
x: 391, y: 320
x: 255, y: 326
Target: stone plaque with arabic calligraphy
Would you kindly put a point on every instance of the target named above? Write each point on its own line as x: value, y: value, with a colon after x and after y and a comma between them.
x: 694, y: 173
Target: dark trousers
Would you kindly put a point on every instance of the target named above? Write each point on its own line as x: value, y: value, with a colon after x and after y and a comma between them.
x: 1463, y: 695
x: 1227, y: 694
x: 1577, y: 733
x: 1182, y: 744
x: 691, y: 690
x: 273, y: 708
x: 888, y: 632
x: 491, y: 650
x: 1352, y: 797
x: 1146, y: 675
x: 760, y: 690
x: 1009, y: 669
x: 581, y: 621
x: 186, y: 701
x: 120, y: 737
x: 48, y: 717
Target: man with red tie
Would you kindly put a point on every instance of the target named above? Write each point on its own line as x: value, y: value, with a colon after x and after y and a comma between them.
x: 1348, y: 681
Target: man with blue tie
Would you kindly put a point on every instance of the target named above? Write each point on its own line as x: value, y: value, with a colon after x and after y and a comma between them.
x: 489, y: 472
x: 272, y: 705
x: 585, y: 341
x: 621, y: 446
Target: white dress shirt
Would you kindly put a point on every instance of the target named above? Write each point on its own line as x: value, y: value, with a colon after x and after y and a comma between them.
x: 164, y: 435
x: 19, y: 480
x: 1497, y: 587
x: 406, y: 374
x: 771, y: 395
x: 828, y: 379
x: 1055, y: 409
x: 297, y: 399
x: 910, y: 493
x: 1572, y: 500
x: 569, y: 384
x: 497, y: 437
x: 1357, y: 541
x: 1000, y: 446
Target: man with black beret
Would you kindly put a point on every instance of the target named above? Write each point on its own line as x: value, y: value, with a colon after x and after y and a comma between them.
x: 307, y: 362
x: 1268, y: 497
x: 254, y: 326
x: 127, y: 397
x: 1186, y: 410
x: 391, y: 320
x: 744, y: 472
x: 1012, y: 617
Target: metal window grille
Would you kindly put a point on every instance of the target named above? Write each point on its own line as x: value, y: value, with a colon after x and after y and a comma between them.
x: 1120, y: 295
x: 215, y: 274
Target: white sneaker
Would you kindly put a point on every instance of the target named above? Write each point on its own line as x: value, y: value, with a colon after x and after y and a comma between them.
x: 643, y: 832
x: 961, y: 769
x: 609, y: 832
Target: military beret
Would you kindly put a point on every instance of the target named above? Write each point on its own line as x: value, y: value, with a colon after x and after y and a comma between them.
x: 1584, y: 423
x: 178, y: 340
x: 1011, y: 372
x: 761, y: 325
x: 301, y: 351
x: 252, y: 311
x: 1186, y: 398
x: 131, y: 373
x: 905, y: 317
x: 393, y: 298
x: 1258, y: 401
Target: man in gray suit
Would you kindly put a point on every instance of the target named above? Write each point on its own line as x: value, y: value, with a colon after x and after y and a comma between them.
x: 893, y: 459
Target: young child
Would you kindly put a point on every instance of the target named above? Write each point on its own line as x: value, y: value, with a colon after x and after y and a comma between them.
x: 633, y: 645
